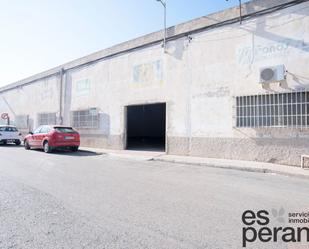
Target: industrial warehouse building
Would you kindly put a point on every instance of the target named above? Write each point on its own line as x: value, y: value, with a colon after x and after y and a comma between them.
x: 221, y: 88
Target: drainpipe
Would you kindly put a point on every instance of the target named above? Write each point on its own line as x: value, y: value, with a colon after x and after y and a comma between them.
x: 189, y: 98
x: 61, y: 96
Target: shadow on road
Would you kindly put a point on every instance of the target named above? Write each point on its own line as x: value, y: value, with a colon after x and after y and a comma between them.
x: 62, y: 152
x: 79, y: 153
x: 11, y: 146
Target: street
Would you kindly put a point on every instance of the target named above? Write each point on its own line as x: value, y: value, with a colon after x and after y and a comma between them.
x: 87, y: 200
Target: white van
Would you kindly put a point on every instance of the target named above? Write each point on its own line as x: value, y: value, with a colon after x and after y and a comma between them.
x: 10, y: 134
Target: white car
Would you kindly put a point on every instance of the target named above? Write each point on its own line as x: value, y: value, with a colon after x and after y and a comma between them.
x: 10, y: 134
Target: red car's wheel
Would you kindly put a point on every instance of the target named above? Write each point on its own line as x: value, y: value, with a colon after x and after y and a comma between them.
x: 46, y: 147
x: 74, y: 148
x: 26, y: 145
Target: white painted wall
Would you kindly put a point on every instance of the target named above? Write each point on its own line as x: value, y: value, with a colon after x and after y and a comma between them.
x: 39, y: 97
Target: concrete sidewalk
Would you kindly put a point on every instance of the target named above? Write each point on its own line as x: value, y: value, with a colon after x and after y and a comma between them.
x: 237, y: 165
x: 250, y: 166
x: 127, y: 154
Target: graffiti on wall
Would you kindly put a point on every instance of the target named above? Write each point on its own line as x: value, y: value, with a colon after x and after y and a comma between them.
x: 148, y: 73
x: 258, y: 52
x: 219, y: 92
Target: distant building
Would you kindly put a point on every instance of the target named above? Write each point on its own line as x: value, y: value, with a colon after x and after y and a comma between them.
x: 222, y: 89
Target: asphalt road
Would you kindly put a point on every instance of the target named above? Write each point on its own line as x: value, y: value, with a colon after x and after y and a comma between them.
x: 85, y: 200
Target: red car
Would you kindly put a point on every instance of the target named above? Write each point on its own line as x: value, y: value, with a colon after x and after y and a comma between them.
x: 50, y: 137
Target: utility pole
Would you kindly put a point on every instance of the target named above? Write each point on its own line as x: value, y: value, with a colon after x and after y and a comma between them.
x: 163, y: 2
x: 240, y: 11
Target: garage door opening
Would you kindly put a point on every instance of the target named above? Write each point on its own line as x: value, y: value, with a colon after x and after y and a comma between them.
x: 146, y: 125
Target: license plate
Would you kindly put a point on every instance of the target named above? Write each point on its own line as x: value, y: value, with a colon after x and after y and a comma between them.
x: 69, y: 138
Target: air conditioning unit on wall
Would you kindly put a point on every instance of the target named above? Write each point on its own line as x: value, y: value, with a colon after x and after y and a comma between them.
x: 272, y: 74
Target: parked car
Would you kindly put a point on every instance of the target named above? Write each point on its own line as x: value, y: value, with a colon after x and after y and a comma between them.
x: 10, y: 134
x: 51, y: 137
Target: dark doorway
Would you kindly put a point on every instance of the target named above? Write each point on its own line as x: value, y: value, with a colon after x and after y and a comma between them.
x: 146, y: 127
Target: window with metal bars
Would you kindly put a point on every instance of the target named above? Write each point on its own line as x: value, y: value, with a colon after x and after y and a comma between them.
x: 273, y: 110
x: 85, y: 119
x: 47, y: 118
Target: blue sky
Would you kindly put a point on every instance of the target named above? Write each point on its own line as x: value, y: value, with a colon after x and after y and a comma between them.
x: 40, y: 34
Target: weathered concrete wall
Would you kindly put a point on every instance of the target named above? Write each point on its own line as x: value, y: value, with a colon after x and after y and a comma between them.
x: 198, y: 79
x: 231, y: 59
x: 39, y: 97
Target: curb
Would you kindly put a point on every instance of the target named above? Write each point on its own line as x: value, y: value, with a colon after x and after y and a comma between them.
x: 231, y: 167
x: 262, y: 170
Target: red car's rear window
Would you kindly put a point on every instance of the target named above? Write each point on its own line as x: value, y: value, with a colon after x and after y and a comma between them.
x: 65, y: 129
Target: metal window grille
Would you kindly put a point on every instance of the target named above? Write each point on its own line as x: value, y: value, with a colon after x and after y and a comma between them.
x: 47, y: 118
x: 85, y: 119
x: 273, y: 110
